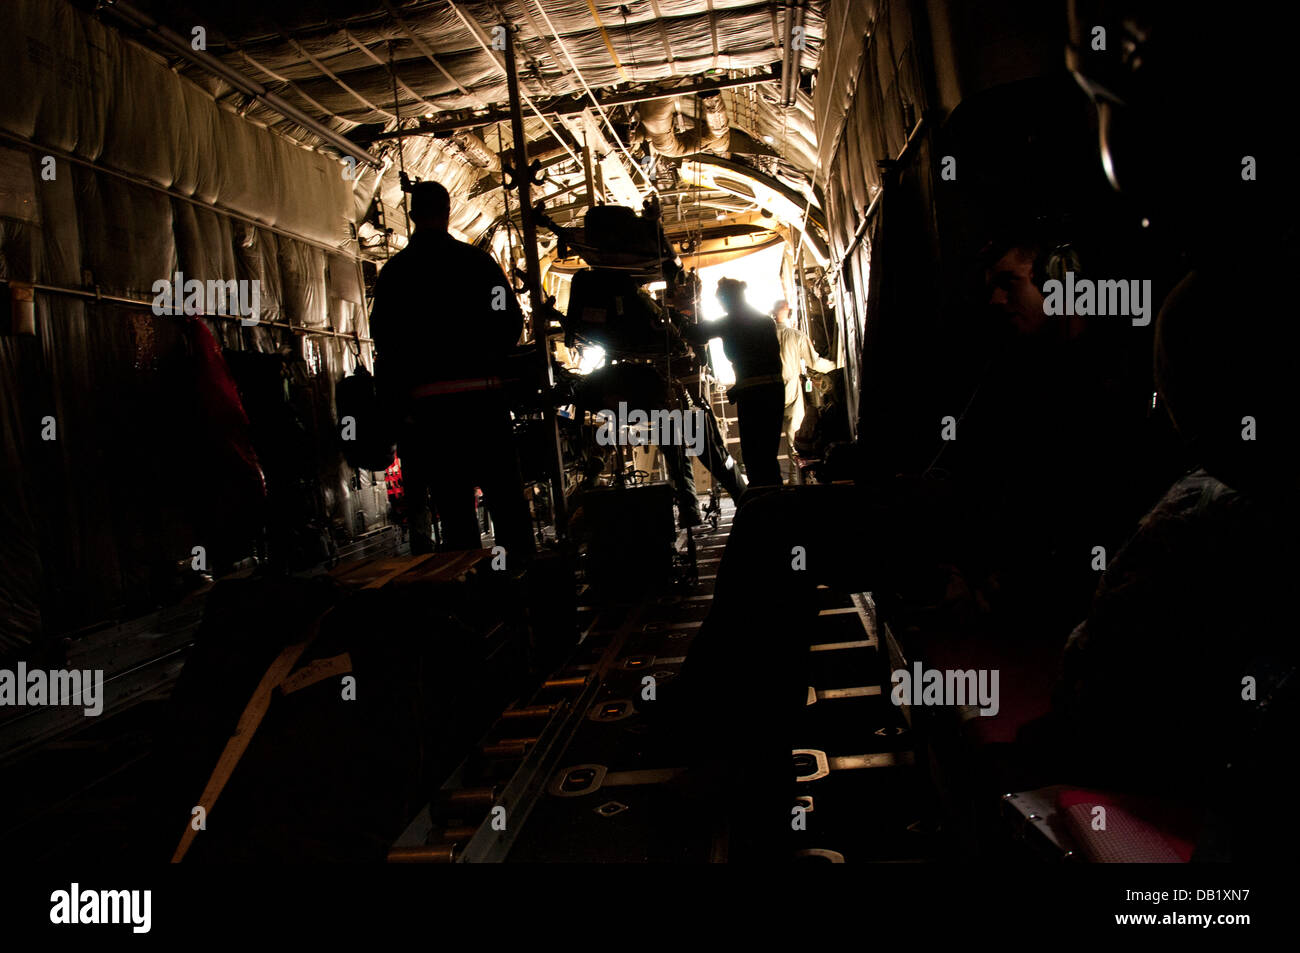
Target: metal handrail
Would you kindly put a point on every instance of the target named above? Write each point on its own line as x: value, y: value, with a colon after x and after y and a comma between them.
x: 98, y: 295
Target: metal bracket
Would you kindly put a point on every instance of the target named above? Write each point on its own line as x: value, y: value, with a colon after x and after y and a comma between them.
x: 824, y: 765
x: 577, y: 780
x: 615, y: 709
x: 821, y: 765
x: 834, y: 856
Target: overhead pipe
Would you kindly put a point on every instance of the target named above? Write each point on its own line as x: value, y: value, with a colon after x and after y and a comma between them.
x: 792, y: 57
x: 205, y: 60
x: 477, y: 151
x: 714, y: 134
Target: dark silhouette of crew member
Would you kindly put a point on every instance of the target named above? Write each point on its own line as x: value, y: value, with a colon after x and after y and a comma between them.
x: 444, y: 321
x: 750, y: 343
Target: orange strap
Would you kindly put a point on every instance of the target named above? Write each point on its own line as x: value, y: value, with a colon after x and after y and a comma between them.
x: 456, y: 387
x: 316, y: 671
x: 248, y: 724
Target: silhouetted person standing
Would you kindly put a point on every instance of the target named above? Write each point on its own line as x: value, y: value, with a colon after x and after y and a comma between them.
x: 750, y: 343
x: 444, y: 321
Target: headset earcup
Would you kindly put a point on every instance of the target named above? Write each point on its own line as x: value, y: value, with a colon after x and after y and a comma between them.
x: 1062, y: 259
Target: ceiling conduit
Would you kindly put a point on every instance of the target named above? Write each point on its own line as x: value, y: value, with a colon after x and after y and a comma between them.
x: 714, y: 134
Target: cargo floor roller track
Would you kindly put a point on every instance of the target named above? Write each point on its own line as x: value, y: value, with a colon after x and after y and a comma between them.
x: 579, y: 773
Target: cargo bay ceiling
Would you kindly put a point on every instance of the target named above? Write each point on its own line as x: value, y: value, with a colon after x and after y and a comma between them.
x: 702, y: 102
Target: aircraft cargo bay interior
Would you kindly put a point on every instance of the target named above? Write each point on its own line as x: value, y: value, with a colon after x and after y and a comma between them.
x: 736, y: 432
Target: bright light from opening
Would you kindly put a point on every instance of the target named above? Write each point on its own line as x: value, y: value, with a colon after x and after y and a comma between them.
x: 768, y: 139
x: 593, y: 358
x: 761, y: 271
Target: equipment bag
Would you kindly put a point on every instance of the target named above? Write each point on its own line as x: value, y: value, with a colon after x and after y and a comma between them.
x: 616, y: 228
x: 606, y: 308
x: 367, y: 433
